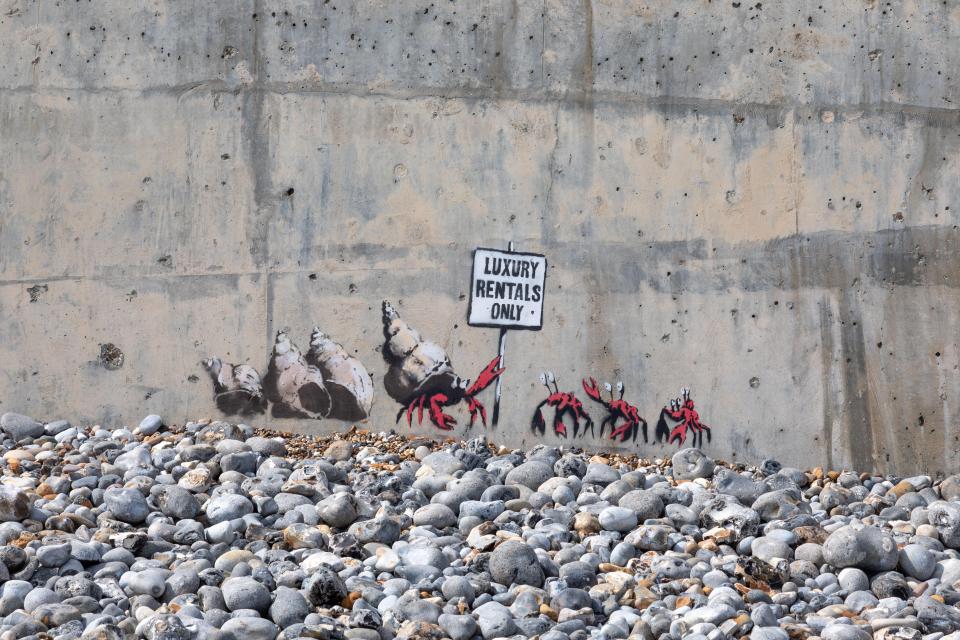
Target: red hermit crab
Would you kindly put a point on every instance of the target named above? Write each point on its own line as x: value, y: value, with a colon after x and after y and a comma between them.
x: 617, y: 409
x: 446, y: 391
x: 563, y: 403
x: 684, y: 418
x: 421, y: 375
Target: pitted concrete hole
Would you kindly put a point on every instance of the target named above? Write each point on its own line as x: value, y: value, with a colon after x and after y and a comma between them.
x: 110, y: 356
x: 36, y: 290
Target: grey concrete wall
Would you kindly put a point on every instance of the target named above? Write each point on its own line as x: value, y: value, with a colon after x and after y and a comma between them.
x: 758, y: 201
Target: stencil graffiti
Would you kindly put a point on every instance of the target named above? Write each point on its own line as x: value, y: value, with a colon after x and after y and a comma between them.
x: 294, y: 387
x: 237, y: 388
x: 677, y: 421
x: 617, y: 409
x: 564, y: 404
x: 327, y: 382
x: 347, y: 381
x: 421, y: 377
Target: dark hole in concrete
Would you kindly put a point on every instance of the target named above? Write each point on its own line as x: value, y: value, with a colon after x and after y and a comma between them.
x: 110, y: 356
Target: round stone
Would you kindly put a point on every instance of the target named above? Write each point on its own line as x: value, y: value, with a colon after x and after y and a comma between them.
x: 917, y: 561
x: 126, y: 505
x: 177, y: 502
x: 514, y: 562
x: 617, y: 519
x: 245, y: 593
x: 227, y: 507
x: 864, y: 547
x: 439, y: 516
x: 530, y: 474
x: 14, y: 504
x: 325, y: 587
x: 690, y: 464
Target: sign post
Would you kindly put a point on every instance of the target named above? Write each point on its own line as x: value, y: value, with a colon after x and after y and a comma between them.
x: 506, y: 291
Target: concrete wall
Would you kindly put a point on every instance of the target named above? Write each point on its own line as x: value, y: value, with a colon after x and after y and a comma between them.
x: 758, y: 201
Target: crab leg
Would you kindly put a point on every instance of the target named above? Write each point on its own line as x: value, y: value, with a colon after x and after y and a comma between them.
x: 679, y: 433
x: 477, y: 407
x: 437, y: 416
x: 538, y: 424
x: 623, y: 431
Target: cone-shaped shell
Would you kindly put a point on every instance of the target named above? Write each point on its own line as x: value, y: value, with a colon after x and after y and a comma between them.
x: 295, y: 388
x: 237, y: 389
x: 415, y: 364
x: 401, y: 337
x: 345, y: 377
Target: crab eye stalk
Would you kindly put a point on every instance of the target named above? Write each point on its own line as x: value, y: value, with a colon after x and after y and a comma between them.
x: 543, y: 379
x: 551, y: 377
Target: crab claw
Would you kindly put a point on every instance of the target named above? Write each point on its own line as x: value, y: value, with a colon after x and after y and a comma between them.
x: 591, y: 389
x: 488, y: 375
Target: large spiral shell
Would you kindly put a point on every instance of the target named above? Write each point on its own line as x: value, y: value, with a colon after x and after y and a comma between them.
x: 295, y: 388
x: 346, y: 379
x: 415, y: 364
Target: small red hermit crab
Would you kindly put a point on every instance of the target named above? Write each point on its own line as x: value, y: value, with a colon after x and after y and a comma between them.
x: 684, y: 418
x: 563, y: 403
x: 617, y: 409
x: 448, y: 390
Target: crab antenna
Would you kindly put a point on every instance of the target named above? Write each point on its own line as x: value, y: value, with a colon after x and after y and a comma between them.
x: 552, y: 378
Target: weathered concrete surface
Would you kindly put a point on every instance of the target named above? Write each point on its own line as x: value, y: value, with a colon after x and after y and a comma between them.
x: 758, y: 201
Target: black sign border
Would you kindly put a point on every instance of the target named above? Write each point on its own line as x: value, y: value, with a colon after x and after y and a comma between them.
x: 543, y: 294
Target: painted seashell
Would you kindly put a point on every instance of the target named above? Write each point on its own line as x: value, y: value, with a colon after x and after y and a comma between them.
x: 415, y: 364
x: 295, y: 388
x: 346, y: 379
x: 237, y: 388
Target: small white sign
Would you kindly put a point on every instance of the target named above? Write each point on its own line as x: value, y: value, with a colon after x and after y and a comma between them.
x: 506, y: 289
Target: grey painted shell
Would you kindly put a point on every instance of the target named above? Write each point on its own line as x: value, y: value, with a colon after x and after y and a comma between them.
x: 295, y: 388
x: 347, y: 380
x: 414, y: 363
x: 237, y: 388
